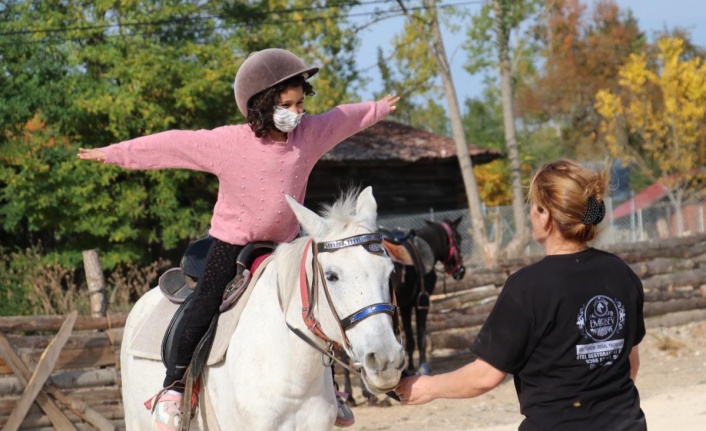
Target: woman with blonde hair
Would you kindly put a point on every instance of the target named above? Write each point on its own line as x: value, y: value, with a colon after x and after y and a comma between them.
x: 566, y: 327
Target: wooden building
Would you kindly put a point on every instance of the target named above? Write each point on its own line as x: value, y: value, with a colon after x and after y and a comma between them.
x: 409, y: 169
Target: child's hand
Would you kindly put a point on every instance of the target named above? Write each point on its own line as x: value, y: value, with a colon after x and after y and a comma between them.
x: 91, y: 154
x: 391, y: 99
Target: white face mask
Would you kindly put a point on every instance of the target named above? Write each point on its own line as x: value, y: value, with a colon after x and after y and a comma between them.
x: 286, y: 120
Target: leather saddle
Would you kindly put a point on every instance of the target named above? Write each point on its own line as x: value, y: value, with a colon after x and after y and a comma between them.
x: 177, y: 284
x: 418, y: 252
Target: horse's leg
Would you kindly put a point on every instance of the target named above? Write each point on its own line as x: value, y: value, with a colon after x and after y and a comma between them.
x: 421, y: 312
x: 406, y: 315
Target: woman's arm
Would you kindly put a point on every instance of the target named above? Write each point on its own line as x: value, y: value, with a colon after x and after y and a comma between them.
x: 634, y: 362
x: 472, y: 380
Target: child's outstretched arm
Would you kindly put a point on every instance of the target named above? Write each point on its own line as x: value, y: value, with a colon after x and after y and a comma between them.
x: 392, y: 100
x: 91, y: 154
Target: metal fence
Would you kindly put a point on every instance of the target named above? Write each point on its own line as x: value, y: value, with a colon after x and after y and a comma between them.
x: 655, y: 222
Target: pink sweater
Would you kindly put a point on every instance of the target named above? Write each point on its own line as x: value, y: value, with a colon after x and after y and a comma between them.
x: 254, y: 173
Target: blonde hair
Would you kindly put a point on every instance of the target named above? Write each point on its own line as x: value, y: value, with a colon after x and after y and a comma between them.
x: 563, y: 188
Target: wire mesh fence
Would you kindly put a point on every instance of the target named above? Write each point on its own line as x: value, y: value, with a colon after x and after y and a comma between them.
x: 657, y: 221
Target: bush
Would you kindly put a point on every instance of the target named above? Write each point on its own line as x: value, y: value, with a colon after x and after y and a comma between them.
x: 37, y: 284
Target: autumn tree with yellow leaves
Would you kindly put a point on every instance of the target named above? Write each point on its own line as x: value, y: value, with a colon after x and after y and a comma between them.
x: 657, y: 121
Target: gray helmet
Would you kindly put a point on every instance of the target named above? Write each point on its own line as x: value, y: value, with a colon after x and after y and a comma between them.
x: 263, y: 69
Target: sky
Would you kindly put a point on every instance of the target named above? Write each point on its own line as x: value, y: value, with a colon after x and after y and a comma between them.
x: 652, y: 16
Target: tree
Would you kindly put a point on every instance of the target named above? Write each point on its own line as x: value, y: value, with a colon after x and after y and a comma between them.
x: 658, y: 119
x: 580, y: 56
x: 489, y: 43
x: 89, y: 74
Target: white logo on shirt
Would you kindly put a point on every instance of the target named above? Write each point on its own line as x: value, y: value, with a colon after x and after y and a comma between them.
x: 600, y: 320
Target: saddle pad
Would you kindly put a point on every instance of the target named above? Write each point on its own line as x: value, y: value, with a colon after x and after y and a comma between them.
x: 426, y: 253
x: 147, y: 341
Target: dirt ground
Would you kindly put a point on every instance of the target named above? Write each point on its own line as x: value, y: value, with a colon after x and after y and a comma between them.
x: 671, y: 381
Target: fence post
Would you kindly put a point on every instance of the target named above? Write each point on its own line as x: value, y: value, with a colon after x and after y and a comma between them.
x: 632, y: 216
x: 95, y: 281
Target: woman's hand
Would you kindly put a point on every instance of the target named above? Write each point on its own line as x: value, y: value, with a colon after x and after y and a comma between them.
x: 91, y: 154
x: 391, y: 99
x: 414, y: 390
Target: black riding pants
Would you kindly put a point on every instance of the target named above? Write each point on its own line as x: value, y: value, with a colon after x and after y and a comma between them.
x: 199, y: 312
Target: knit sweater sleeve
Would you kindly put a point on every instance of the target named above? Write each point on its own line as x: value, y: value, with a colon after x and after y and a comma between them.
x: 327, y: 130
x: 201, y: 150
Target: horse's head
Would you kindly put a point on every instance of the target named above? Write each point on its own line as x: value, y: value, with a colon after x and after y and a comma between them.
x: 453, y: 263
x: 347, y: 273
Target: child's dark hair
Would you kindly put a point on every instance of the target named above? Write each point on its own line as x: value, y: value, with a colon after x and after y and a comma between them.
x: 261, y: 106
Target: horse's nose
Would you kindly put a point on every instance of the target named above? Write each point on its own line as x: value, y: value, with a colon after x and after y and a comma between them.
x: 460, y: 273
x: 381, y: 362
x: 372, y: 362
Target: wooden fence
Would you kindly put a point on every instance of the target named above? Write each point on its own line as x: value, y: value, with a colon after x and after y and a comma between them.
x: 673, y: 273
x: 63, y: 372
x: 59, y: 372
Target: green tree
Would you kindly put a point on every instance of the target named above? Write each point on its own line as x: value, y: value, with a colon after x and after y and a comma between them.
x: 87, y: 74
x: 490, y: 44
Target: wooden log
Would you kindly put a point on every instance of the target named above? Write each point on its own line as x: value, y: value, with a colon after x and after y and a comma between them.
x: 98, y: 377
x: 669, y: 282
x: 53, y: 323
x: 662, y: 295
x: 72, y: 359
x: 81, y: 340
x: 464, y: 298
x: 23, y: 374
x: 662, y: 265
x: 457, y: 321
x: 41, y: 373
x: 96, y: 282
x: 455, y: 339
x: 684, y: 247
x: 660, y: 308
x: 675, y: 319
x: 483, y: 308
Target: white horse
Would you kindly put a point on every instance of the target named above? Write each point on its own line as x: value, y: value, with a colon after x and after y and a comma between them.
x: 272, y: 379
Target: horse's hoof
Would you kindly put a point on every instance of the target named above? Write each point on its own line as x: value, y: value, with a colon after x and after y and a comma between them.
x: 424, y: 370
x: 384, y: 403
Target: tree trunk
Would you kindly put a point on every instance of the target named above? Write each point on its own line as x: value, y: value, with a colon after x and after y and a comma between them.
x: 464, y: 159
x: 96, y: 282
x: 521, y: 237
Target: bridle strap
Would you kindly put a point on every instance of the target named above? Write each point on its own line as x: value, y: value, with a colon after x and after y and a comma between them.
x: 453, y: 261
x: 309, y: 297
x: 364, y: 312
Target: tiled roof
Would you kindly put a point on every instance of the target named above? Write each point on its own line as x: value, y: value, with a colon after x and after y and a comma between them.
x: 389, y: 140
x: 641, y: 200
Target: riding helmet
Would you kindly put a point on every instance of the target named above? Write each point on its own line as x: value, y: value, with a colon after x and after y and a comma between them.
x: 263, y: 69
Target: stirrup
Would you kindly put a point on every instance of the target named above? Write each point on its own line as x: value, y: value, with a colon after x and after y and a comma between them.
x: 344, y: 414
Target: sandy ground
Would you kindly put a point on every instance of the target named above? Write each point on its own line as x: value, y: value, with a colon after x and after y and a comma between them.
x: 671, y: 381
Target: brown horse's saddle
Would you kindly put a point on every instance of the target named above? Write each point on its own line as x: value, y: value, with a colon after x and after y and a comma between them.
x: 415, y: 252
x: 177, y: 284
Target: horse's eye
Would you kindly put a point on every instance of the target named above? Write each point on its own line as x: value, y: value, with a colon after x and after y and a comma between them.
x: 331, y: 276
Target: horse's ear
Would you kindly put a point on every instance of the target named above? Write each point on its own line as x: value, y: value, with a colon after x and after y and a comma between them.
x: 428, y: 222
x: 310, y: 221
x: 366, y: 206
x: 455, y: 223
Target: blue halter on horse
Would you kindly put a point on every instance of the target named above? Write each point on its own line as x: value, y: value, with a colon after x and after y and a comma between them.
x: 414, y: 284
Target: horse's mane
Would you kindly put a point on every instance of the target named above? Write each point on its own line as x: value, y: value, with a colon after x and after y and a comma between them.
x: 339, y: 217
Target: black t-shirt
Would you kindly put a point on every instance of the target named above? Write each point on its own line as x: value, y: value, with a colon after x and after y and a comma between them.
x: 564, y: 327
